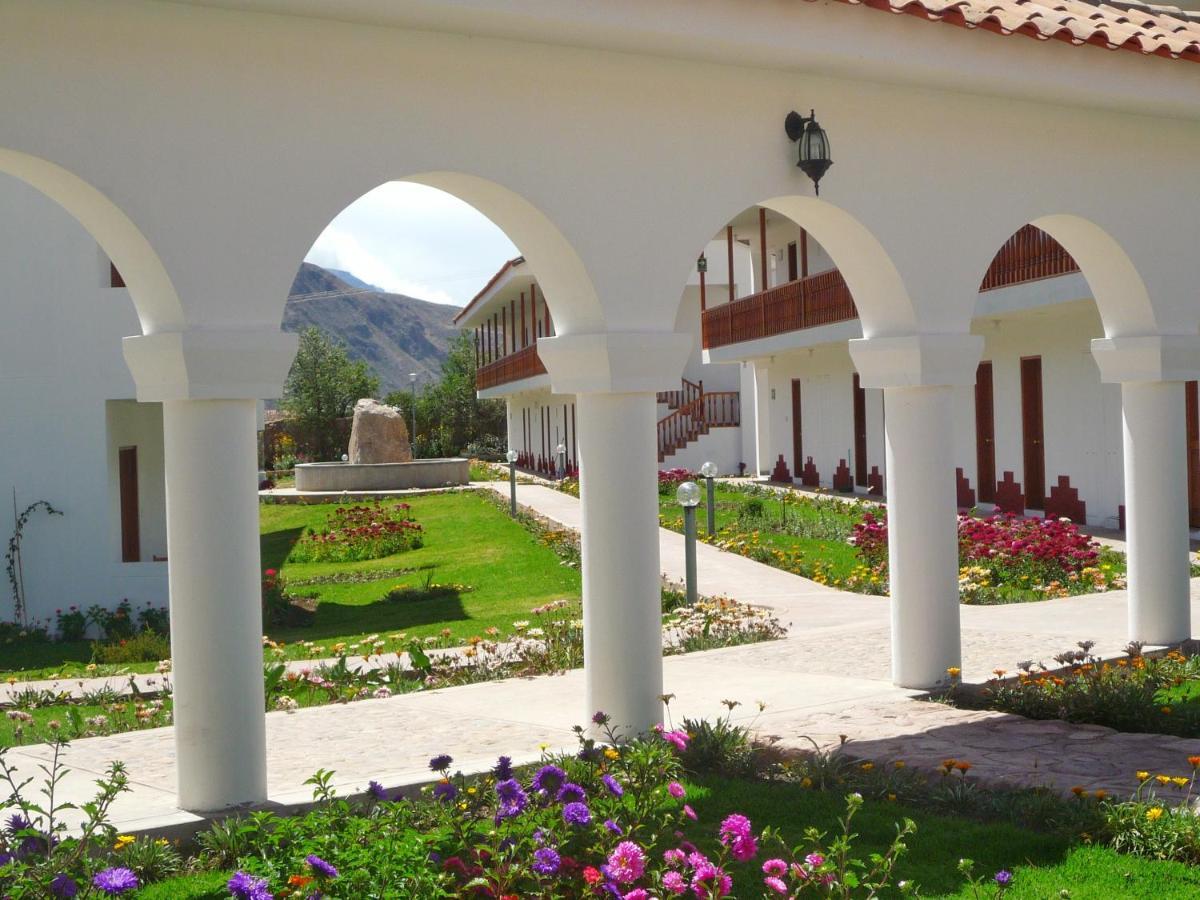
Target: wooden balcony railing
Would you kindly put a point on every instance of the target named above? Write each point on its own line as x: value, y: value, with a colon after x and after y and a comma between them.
x: 820, y: 299
x: 715, y: 409
x: 1029, y: 255
x: 525, y: 363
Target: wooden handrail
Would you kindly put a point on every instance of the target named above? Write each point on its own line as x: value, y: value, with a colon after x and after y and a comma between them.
x: 525, y: 363
x: 822, y: 299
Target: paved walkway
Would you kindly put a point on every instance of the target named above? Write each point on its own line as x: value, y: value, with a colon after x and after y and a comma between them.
x: 829, y: 678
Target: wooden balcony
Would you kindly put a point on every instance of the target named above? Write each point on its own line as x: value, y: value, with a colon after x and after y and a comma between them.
x: 525, y: 363
x: 822, y: 299
x: 1029, y: 255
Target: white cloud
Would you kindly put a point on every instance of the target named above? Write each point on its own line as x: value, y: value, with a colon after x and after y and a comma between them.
x: 415, y: 240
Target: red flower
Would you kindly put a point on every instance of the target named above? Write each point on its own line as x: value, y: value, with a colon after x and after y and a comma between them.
x: 592, y: 875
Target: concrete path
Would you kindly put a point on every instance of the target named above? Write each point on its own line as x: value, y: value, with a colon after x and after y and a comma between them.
x: 829, y: 678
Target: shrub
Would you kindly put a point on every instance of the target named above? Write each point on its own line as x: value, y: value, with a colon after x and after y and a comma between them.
x: 360, y: 532
x: 145, y: 646
x: 279, y: 607
x: 71, y: 625
x: 669, y: 480
x: 154, y: 618
x: 114, y: 624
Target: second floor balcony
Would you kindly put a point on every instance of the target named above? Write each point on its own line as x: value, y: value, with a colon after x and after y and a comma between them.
x: 823, y: 299
x: 524, y: 363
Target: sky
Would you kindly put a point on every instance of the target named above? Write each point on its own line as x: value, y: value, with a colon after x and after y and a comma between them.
x: 415, y: 240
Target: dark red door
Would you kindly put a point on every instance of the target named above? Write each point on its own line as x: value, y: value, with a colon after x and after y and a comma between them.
x: 860, y: 434
x: 793, y: 265
x: 131, y: 540
x: 797, y: 431
x: 1032, y: 432
x: 985, y: 435
x: 1193, y: 454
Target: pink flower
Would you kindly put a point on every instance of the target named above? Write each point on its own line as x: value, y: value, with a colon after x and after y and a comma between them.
x: 674, y: 857
x: 637, y: 894
x: 776, y: 867
x: 710, y: 881
x: 678, y: 738
x: 689, y: 812
x: 775, y: 884
x: 675, y: 789
x: 738, y: 836
x: 815, y: 859
x: 627, y: 863
x: 674, y: 882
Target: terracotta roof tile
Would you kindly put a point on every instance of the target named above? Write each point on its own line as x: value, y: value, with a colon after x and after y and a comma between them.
x: 1146, y: 28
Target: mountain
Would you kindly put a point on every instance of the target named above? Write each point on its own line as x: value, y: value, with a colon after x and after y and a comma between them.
x: 392, y: 333
x: 354, y: 281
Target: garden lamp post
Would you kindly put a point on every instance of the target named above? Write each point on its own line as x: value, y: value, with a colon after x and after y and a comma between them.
x: 688, y: 496
x: 412, y: 380
x: 709, y: 471
x: 560, y: 458
x: 511, y: 456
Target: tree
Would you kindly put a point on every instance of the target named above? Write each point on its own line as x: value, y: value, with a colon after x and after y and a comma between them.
x: 449, y: 415
x: 322, y: 387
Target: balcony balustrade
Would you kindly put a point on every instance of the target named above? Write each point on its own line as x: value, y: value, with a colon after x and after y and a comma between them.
x: 525, y: 363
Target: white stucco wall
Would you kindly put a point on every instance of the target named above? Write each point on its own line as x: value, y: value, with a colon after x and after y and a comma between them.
x: 542, y: 409
x: 60, y: 362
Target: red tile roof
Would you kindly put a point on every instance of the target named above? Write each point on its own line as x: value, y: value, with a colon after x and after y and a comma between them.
x: 512, y: 263
x: 1117, y: 25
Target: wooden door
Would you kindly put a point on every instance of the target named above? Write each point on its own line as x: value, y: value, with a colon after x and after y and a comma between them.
x: 793, y: 265
x: 1032, y: 432
x: 860, y: 434
x: 1193, y: 453
x: 797, y: 431
x: 127, y: 474
x: 985, y: 435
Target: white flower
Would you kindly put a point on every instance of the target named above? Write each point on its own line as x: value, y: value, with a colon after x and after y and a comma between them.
x: 287, y: 704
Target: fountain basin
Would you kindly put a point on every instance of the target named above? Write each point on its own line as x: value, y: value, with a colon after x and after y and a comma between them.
x: 419, y: 473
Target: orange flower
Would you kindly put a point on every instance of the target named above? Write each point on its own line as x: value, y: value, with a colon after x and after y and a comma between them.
x: 1077, y: 790
x: 962, y: 766
x: 299, y: 881
x: 1194, y: 762
x: 1101, y: 794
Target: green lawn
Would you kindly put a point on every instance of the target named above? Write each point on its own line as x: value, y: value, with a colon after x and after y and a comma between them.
x: 501, y: 569
x: 1042, y: 864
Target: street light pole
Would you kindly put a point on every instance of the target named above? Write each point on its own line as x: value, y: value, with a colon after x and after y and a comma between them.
x: 709, y: 471
x: 688, y: 496
x: 412, y: 379
x: 511, y: 456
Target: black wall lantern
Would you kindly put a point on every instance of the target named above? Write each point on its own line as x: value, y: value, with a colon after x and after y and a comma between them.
x: 813, y: 144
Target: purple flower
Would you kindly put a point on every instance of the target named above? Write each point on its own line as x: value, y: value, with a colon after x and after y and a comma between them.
x: 676, y: 790
x: 115, y: 881
x: 322, y: 868
x: 62, y: 885
x: 1003, y: 878
x: 546, y: 861
x: 571, y: 793
x: 445, y: 791
x: 17, y: 822
x: 441, y: 762
x: 613, y: 826
x: 637, y: 894
x: 674, y: 882
x: 577, y: 814
x: 375, y: 789
x: 614, y: 786
x: 503, y: 770
x: 601, y: 718
x: 512, y: 799
x: 245, y: 886
x: 5, y: 859
x: 548, y: 779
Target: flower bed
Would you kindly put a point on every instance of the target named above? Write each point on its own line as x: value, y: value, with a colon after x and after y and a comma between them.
x: 1137, y: 693
x: 360, y: 532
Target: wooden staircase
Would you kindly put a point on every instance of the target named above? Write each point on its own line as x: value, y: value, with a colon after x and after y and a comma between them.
x: 693, y: 412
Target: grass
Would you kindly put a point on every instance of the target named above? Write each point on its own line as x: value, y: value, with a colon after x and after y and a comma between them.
x: 500, y: 568
x: 497, y: 569
x: 1042, y: 864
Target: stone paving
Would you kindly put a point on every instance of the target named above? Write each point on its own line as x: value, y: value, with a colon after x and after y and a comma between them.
x: 829, y: 678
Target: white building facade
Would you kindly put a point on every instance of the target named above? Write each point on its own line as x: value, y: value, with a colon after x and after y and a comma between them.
x: 192, y: 141
x: 75, y: 436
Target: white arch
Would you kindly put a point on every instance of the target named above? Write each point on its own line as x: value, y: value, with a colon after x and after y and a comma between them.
x: 150, y: 288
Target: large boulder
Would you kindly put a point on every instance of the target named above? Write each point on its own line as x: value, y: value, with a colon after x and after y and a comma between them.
x: 378, y: 434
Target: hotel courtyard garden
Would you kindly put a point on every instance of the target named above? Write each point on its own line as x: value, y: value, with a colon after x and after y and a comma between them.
x: 835, y: 539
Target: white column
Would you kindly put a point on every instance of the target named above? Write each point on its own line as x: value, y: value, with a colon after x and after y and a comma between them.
x: 1156, y: 512
x: 614, y: 376
x: 513, y: 416
x: 216, y: 612
x: 208, y: 382
x: 918, y: 373
x: 763, y: 460
x: 622, y: 619
x: 1151, y: 370
x: 922, y: 535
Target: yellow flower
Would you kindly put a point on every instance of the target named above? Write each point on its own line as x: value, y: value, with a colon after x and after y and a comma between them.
x: 1154, y: 814
x: 1142, y: 775
x: 867, y: 766
x: 1077, y: 790
x: 806, y: 782
x: 953, y: 671
x: 123, y: 841
x: 612, y: 753
x: 1179, y: 781
x: 1164, y: 780
x: 899, y: 764
x: 891, y: 797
